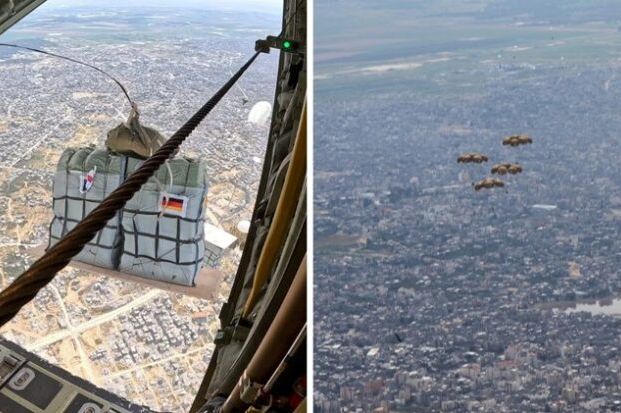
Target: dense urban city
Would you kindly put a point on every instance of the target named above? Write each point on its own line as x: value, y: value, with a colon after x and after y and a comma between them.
x: 149, y: 345
x: 434, y: 297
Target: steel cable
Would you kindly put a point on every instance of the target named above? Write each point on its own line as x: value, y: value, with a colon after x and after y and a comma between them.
x: 25, y: 287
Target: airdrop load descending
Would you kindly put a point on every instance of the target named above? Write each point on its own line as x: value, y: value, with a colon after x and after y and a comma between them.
x: 159, y: 234
x: 505, y: 168
x: 517, y: 140
x: 472, y: 158
x: 500, y: 168
x: 489, y: 183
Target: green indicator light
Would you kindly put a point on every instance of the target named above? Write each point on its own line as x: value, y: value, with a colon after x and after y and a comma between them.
x: 286, y: 44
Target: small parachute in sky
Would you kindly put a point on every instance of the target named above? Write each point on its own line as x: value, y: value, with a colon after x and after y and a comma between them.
x: 260, y: 113
x: 517, y: 140
x: 488, y: 183
x: 464, y: 177
x: 505, y: 168
x: 472, y: 158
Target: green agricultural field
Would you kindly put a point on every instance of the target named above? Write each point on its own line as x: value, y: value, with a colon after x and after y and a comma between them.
x: 459, y: 56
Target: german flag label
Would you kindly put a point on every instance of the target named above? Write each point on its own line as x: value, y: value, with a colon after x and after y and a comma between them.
x: 173, y: 204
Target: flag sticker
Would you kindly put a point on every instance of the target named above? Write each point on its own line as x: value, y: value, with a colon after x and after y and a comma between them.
x: 86, y: 182
x: 173, y: 204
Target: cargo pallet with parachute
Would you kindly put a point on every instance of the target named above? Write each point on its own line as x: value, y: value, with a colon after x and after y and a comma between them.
x: 159, y: 234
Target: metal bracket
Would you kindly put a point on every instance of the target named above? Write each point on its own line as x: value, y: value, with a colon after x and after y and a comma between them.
x: 225, y: 311
x: 250, y: 390
x: 280, y: 43
x: 238, y: 330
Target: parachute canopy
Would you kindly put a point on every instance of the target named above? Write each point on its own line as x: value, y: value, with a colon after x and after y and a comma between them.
x: 472, y: 158
x: 505, y: 168
x: 260, y: 113
x: 488, y: 183
x: 517, y: 140
x: 243, y: 227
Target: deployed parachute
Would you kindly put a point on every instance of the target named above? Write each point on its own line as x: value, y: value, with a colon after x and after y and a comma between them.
x: 505, y: 168
x: 472, y: 158
x: 488, y: 183
x: 464, y: 176
x: 517, y: 140
x: 260, y: 113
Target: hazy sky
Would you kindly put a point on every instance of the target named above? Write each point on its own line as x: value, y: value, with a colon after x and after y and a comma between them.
x: 268, y: 6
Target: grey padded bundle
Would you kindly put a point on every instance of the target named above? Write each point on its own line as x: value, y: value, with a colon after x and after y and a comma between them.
x: 70, y: 205
x: 166, y: 247
x: 141, y: 239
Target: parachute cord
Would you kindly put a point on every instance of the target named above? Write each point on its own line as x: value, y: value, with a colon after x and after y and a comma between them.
x: 170, y: 177
x: 160, y: 187
x: 114, y: 79
x: 25, y: 287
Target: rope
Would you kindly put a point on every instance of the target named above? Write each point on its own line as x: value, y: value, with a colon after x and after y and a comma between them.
x: 25, y: 287
x: 114, y: 79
